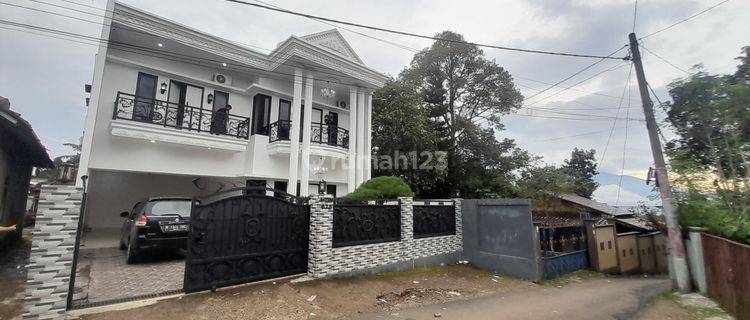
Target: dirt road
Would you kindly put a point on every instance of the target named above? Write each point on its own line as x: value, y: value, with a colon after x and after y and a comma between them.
x: 607, y: 298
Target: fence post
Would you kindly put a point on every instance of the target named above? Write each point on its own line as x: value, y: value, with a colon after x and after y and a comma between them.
x: 459, y: 225
x: 52, y: 249
x: 321, y: 235
x: 406, y: 205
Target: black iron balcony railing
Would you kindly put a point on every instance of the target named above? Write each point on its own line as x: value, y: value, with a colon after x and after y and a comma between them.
x: 174, y: 115
x: 320, y: 133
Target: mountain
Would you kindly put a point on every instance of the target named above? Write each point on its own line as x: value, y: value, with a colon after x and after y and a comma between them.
x: 634, y: 190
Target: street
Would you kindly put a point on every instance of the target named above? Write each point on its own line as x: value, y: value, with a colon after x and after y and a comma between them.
x: 607, y: 298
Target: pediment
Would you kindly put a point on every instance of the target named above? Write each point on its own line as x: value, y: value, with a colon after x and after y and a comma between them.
x: 334, y: 41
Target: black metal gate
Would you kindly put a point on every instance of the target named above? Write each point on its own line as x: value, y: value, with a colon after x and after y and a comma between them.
x: 245, y: 235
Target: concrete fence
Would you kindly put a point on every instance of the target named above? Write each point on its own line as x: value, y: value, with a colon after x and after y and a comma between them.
x: 325, y: 260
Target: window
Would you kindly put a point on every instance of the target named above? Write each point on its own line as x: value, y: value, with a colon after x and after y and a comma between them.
x: 254, y: 183
x: 285, y: 114
x: 609, y: 244
x: 261, y: 114
x: 170, y: 207
x: 631, y: 251
x: 145, y: 92
x: 601, y: 246
x: 221, y: 100
x: 624, y: 253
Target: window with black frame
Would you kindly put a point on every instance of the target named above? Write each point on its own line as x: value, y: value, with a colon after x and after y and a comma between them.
x: 285, y: 114
x: 261, y: 114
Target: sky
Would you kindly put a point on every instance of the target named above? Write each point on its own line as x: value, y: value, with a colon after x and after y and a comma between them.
x: 44, y: 77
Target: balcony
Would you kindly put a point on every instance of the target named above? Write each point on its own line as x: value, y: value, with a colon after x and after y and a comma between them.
x: 327, y: 140
x: 157, y: 120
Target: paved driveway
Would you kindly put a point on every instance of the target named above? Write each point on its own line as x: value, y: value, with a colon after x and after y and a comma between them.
x: 103, y: 274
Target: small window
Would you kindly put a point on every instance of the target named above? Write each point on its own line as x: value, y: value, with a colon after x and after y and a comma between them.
x: 601, y: 246
x: 609, y: 245
x: 631, y: 251
x: 624, y: 253
x: 648, y: 250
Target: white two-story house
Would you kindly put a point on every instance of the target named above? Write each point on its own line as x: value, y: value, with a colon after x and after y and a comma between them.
x: 158, y: 123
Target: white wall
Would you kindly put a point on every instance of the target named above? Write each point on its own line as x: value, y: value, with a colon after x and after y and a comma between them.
x: 110, y: 152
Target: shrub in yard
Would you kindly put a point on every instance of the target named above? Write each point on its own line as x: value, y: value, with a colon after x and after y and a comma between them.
x: 386, y: 187
x: 729, y: 221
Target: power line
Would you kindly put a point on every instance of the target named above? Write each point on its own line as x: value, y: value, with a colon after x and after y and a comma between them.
x: 635, y: 14
x: 579, y: 135
x: 575, y: 74
x: 665, y: 60
x: 579, y: 82
x: 411, y: 34
x: 569, y: 88
x: 624, y: 146
x: 125, y: 47
x: 614, y: 122
x: 246, y: 44
x: 683, y: 20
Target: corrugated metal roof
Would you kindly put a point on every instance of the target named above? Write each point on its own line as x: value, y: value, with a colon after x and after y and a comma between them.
x: 598, y: 206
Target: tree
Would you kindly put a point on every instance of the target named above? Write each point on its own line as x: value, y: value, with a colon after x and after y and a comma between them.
x: 542, y: 183
x: 400, y: 129
x: 581, y: 167
x: 461, y: 91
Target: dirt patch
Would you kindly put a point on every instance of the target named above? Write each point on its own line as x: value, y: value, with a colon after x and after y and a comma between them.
x: 330, y: 299
x: 665, y: 309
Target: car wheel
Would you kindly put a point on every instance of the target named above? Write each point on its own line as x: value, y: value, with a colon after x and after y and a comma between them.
x: 131, y: 253
x: 122, y: 245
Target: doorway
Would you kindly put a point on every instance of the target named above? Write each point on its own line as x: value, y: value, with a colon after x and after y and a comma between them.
x: 185, y: 98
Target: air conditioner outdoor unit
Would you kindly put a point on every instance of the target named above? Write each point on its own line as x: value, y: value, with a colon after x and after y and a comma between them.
x: 222, y: 78
x: 342, y: 104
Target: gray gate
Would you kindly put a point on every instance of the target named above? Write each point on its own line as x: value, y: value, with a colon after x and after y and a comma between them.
x: 499, y: 236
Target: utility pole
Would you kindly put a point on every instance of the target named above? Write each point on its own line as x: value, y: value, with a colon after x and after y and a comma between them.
x: 674, y: 234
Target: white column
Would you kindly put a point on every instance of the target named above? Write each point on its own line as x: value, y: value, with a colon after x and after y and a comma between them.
x: 291, y: 187
x: 368, y: 136
x: 304, y: 179
x: 360, y: 136
x: 352, y: 162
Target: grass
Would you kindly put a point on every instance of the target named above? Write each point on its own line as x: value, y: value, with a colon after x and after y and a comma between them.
x: 705, y: 313
x: 695, y: 312
x: 572, y: 277
x: 667, y: 295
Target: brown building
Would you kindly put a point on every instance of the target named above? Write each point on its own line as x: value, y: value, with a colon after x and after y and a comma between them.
x: 20, y: 151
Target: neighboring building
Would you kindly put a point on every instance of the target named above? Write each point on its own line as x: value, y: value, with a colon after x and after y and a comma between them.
x: 20, y: 151
x: 157, y: 123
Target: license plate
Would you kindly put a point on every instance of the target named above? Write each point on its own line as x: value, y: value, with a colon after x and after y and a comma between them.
x: 174, y: 228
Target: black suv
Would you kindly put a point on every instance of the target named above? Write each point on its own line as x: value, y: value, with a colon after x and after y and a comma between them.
x: 155, y: 223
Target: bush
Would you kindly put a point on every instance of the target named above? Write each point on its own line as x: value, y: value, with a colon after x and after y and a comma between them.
x: 386, y: 187
x: 716, y: 216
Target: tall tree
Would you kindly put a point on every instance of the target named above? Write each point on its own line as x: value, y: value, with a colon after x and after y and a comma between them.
x: 462, y: 91
x: 401, y: 131
x: 582, y: 168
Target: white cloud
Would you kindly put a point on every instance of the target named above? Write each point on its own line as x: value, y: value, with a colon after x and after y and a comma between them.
x: 608, y: 195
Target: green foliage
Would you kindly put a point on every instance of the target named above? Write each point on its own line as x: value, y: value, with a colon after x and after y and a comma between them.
x: 721, y: 216
x: 582, y: 168
x: 463, y: 96
x: 709, y: 114
x: 385, y: 187
x: 401, y: 126
x: 543, y: 183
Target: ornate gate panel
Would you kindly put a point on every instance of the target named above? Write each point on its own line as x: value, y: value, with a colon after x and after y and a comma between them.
x: 245, y: 236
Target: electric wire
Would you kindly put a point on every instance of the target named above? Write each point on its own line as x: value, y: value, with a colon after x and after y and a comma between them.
x: 614, y: 122
x: 578, y: 83
x: 683, y: 20
x: 575, y: 74
x: 663, y: 59
x: 624, y: 147
x: 411, y: 34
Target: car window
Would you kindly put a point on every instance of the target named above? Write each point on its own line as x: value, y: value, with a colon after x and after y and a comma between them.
x: 170, y: 207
